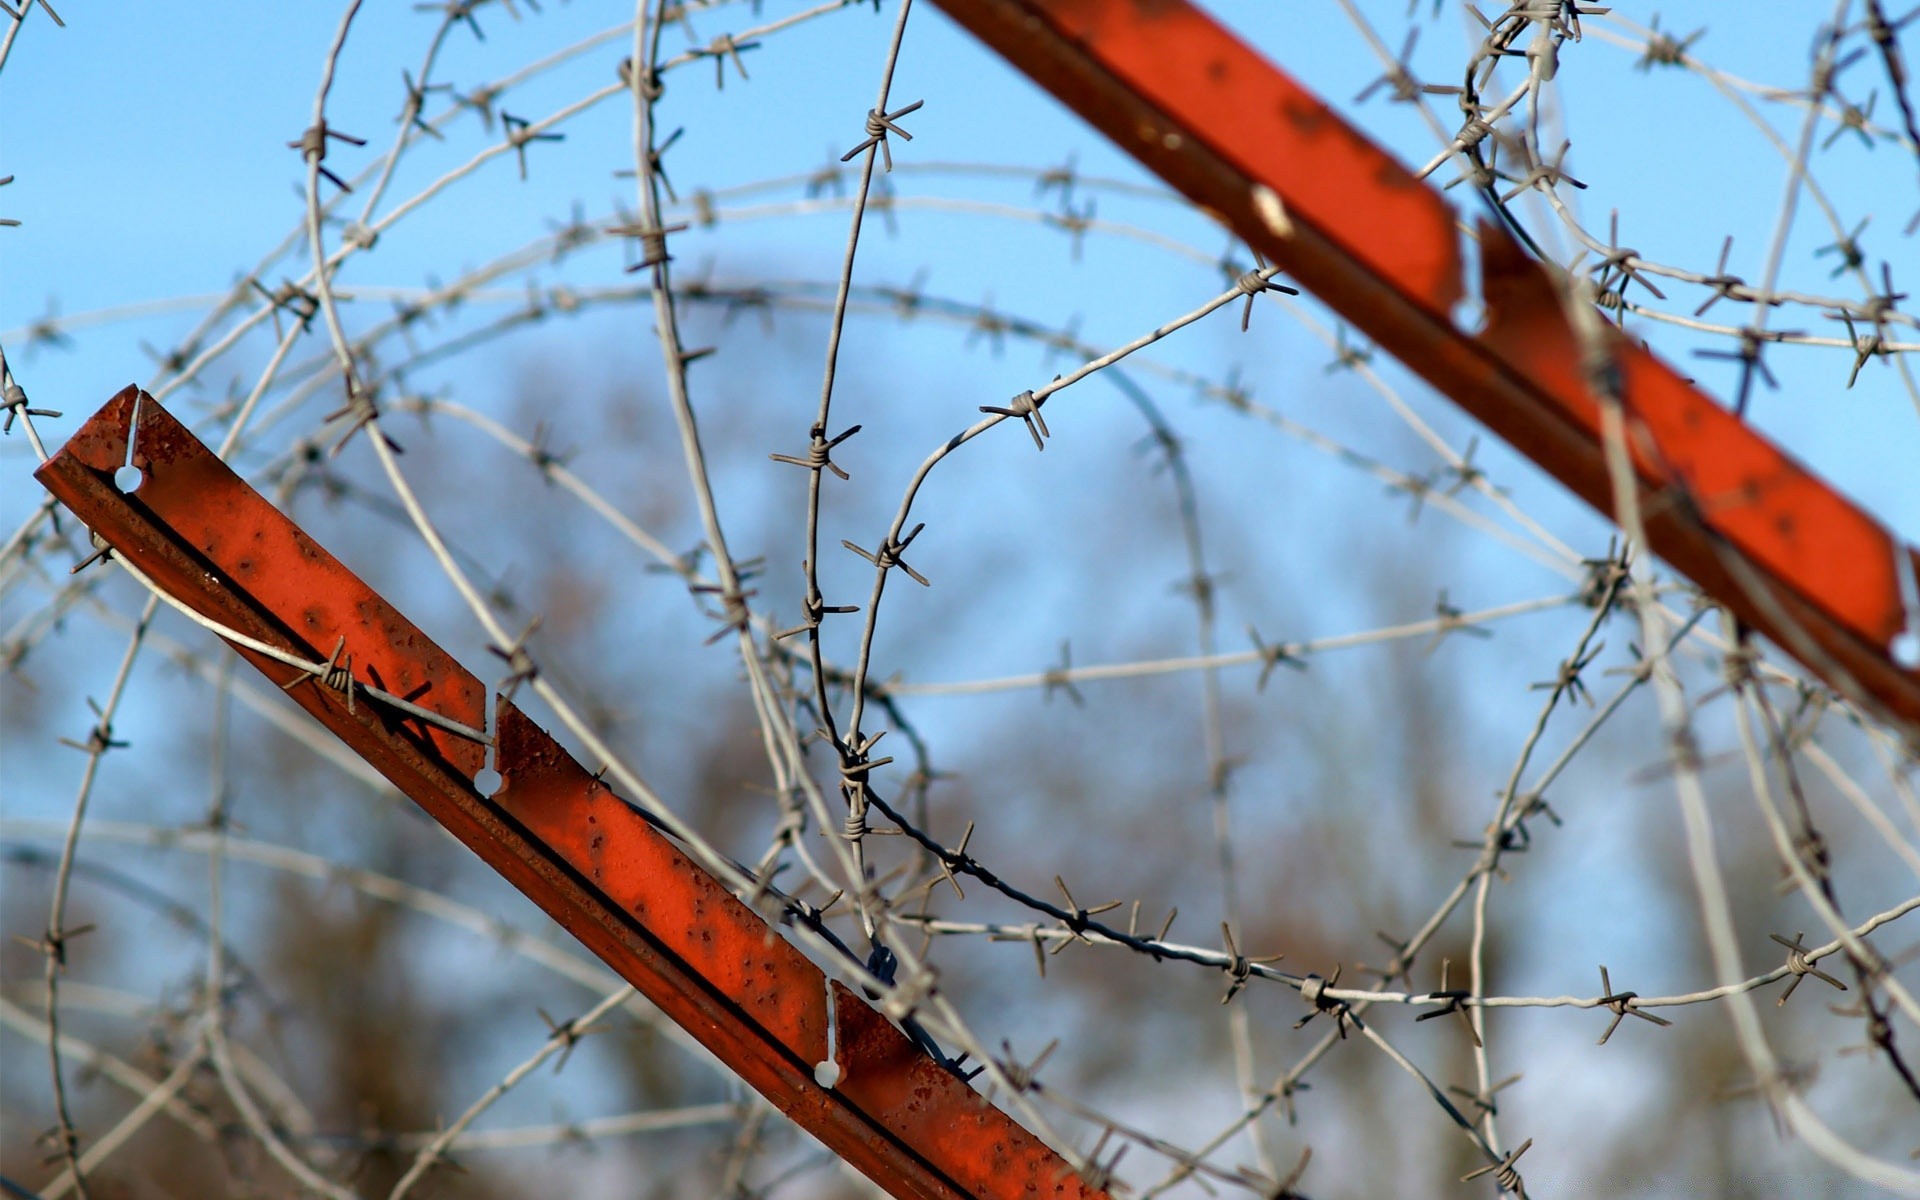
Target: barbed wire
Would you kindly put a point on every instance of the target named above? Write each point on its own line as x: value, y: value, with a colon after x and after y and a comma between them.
x: 873, y: 924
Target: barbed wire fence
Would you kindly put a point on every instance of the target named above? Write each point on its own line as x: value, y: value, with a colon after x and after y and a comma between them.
x: 949, y: 873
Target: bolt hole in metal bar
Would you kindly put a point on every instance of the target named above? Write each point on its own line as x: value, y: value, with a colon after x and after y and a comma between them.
x: 204, y: 539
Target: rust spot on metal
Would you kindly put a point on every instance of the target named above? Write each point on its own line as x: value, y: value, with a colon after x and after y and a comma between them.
x: 1381, y: 248
x: 558, y: 834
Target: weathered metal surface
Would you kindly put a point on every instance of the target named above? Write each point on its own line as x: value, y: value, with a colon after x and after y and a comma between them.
x: 1786, y: 553
x: 557, y: 833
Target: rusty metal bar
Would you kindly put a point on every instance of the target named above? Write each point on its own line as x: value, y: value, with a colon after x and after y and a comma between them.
x: 584, y: 855
x: 1784, y: 552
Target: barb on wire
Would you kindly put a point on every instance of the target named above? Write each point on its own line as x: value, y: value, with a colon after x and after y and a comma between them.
x: 926, y: 877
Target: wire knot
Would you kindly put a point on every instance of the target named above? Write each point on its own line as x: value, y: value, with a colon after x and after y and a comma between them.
x: 1473, y: 133
x: 1503, y: 1172
x: 1025, y: 407
x: 722, y: 48
x: 312, y: 145
x: 13, y: 399
x: 1621, y: 1005
x: 819, y: 449
x: 1240, y: 967
x: 1313, y: 989
x: 855, y: 766
x: 878, y: 126
x: 651, y: 85
x: 1800, y: 967
x: 520, y: 665
x: 888, y: 556
x: 653, y: 242
x: 1023, y: 1077
x: 335, y: 674
x: 1254, y: 280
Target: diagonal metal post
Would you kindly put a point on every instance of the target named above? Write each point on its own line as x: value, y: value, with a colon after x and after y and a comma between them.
x: 1786, y: 553
x: 1782, y: 550
x: 588, y: 858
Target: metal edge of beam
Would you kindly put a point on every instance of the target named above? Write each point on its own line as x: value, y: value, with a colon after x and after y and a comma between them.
x: 1786, y: 553
x: 555, y: 832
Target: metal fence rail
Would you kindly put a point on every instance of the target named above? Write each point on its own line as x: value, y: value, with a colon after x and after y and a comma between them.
x: 1788, y: 554
x: 755, y: 972
x: 594, y: 863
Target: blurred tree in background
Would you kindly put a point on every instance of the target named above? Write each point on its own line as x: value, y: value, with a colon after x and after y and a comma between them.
x: 1267, y: 635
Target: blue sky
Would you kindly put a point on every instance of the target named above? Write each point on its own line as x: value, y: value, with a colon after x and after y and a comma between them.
x: 144, y: 173
x: 149, y: 144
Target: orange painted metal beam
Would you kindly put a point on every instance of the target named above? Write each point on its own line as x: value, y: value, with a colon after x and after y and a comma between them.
x: 588, y: 858
x: 1786, y: 553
